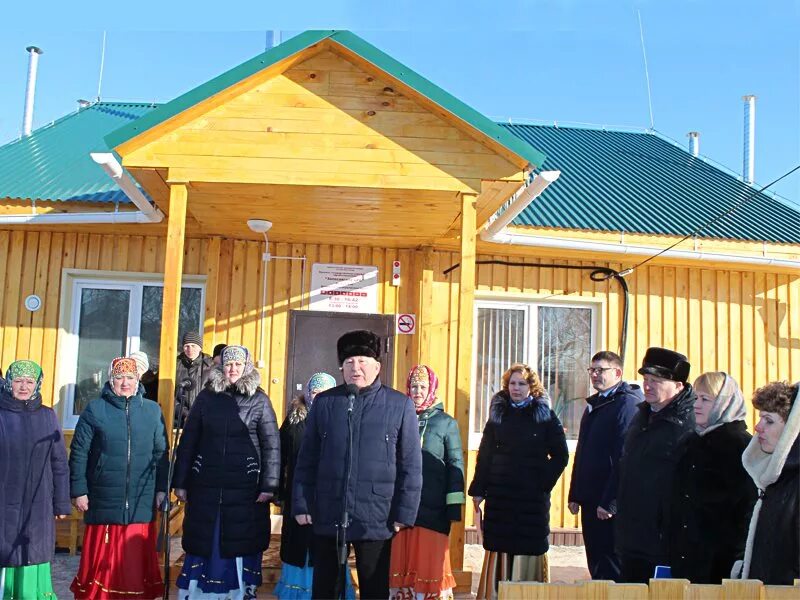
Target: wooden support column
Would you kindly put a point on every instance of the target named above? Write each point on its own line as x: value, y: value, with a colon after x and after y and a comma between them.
x: 464, y: 354
x: 425, y: 309
x: 170, y: 311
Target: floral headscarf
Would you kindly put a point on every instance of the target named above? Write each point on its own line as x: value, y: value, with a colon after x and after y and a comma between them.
x: 319, y: 382
x: 238, y: 354
x: 24, y: 368
x: 123, y: 366
x: 419, y: 374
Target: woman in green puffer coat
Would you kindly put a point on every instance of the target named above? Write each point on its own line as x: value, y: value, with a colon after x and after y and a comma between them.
x: 420, y: 564
x: 118, y: 475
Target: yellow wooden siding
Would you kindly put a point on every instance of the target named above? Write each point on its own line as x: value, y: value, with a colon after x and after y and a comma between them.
x: 326, y: 115
x: 736, y: 320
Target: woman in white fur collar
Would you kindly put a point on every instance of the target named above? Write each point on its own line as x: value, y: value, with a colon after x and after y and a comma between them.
x: 772, y: 459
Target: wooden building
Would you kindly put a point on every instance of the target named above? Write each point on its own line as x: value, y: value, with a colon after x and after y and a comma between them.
x: 357, y: 161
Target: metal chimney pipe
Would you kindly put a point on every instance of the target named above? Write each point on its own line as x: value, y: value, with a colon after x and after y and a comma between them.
x: 30, y: 89
x: 749, y: 158
x: 273, y: 38
x: 694, y: 142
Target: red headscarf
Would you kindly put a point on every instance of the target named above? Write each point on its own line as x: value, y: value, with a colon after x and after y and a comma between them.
x: 423, y: 373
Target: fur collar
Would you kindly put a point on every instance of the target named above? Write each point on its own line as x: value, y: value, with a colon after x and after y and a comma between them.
x: 501, y: 404
x: 247, y: 385
x: 298, y: 411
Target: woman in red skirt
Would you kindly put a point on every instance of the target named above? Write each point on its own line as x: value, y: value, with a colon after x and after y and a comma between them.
x: 118, y: 470
x: 420, y: 565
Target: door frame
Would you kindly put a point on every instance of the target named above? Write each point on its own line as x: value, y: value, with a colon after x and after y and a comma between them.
x: 388, y: 349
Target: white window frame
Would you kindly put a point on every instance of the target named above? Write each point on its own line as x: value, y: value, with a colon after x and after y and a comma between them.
x: 74, y: 281
x: 531, y: 303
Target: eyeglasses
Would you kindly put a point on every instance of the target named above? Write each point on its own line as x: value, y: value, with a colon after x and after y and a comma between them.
x: 598, y: 370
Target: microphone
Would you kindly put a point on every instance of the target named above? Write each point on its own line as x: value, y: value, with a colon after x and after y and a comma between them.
x: 352, y: 390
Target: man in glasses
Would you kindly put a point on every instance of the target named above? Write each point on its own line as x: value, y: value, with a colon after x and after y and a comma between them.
x: 595, y: 476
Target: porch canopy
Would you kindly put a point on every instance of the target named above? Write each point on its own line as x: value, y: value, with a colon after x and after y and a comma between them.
x: 330, y: 139
x: 334, y: 142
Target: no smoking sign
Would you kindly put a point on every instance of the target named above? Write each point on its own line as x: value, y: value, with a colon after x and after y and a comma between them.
x: 406, y: 324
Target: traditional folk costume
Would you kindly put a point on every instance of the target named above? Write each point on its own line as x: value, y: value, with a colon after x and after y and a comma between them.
x: 420, y: 566
x: 229, y: 454
x: 34, y: 488
x: 118, y: 458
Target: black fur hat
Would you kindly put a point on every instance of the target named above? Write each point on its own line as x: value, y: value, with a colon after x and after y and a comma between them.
x: 358, y: 343
x: 665, y: 363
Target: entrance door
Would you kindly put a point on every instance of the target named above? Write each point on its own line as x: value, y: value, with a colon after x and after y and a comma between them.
x: 312, y: 345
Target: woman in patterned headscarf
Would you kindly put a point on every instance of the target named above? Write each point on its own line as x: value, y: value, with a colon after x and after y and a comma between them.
x: 226, y: 471
x: 420, y: 565
x: 297, y: 540
x: 34, y: 484
x: 118, y: 474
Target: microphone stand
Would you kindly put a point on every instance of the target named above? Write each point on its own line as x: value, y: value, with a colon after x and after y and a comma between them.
x: 344, y: 523
x: 167, y: 506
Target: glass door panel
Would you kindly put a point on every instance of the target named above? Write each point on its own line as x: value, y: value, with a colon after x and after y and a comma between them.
x: 102, y: 336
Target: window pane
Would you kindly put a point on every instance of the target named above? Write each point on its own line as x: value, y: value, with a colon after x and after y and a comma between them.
x: 564, y: 350
x: 102, y: 336
x: 501, y: 342
x: 150, y: 334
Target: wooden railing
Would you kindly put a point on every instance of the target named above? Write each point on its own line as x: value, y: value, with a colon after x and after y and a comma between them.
x: 658, y: 589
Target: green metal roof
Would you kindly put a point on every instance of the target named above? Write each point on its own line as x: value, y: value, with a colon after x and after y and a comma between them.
x: 355, y: 44
x: 640, y: 182
x: 53, y: 162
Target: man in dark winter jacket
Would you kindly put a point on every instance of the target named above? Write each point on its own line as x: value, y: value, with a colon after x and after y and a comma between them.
x: 192, y: 373
x: 653, y: 445
x: 595, y: 474
x: 375, y: 481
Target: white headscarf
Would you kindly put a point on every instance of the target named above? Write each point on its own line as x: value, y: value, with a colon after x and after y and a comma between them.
x: 765, y: 469
x: 728, y: 406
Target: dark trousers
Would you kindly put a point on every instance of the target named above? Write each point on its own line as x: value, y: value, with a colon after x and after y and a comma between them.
x: 372, y: 565
x: 636, y: 570
x: 598, y: 538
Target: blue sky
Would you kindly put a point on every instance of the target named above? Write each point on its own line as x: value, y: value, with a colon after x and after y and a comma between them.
x: 564, y: 60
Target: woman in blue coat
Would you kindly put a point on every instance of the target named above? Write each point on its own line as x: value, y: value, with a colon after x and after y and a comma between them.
x: 34, y: 484
x: 118, y: 475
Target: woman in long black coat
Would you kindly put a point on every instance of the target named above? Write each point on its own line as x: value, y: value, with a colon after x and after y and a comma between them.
x: 522, y: 454
x: 227, y: 470
x: 712, y: 495
x: 34, y: 483
x: 772, y: 459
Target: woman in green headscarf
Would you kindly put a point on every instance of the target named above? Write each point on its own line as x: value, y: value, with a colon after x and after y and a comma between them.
x: 34, y: 484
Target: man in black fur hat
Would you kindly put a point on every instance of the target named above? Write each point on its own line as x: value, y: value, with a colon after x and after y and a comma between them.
x: 653, y: 445
x: 370, y: 471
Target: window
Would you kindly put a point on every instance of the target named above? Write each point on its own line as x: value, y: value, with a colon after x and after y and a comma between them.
x: 556, y: 339
x: 110, y: 319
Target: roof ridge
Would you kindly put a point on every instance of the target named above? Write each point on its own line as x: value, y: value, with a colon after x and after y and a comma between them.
x: 581, y: 125
x: 645, y: 131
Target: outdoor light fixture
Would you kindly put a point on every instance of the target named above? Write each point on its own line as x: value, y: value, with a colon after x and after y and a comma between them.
x: 259, y: 225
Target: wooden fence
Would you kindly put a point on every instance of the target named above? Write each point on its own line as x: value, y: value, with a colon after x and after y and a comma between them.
x: 659, y: 589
